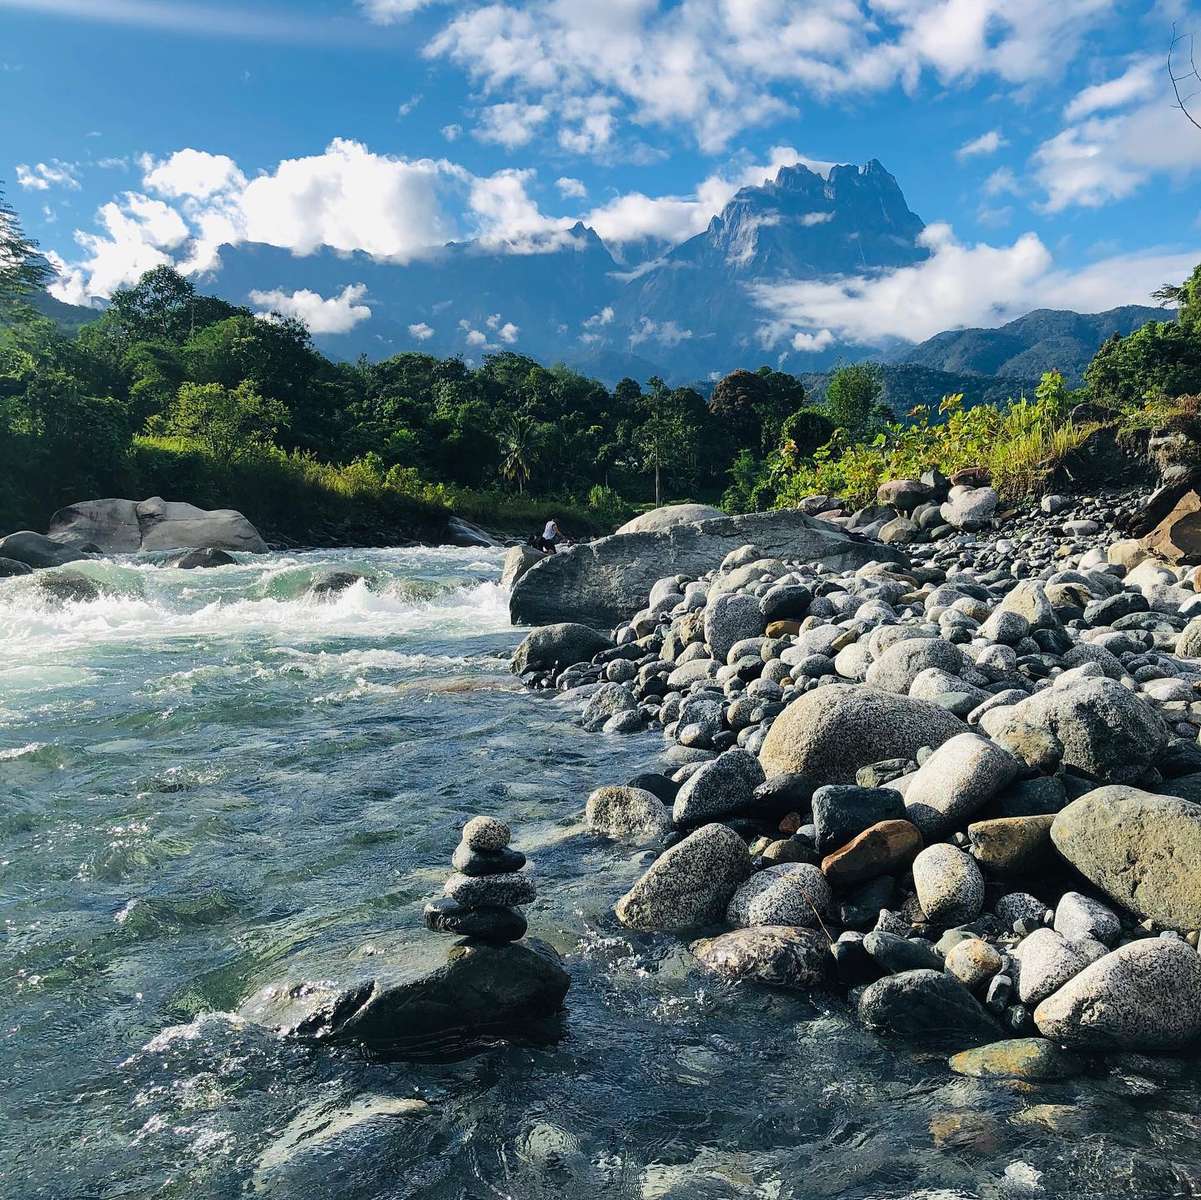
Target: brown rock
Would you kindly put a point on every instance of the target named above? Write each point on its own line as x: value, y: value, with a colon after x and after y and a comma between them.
x: 971, y: 477
x: 966, y: 1131
x: 1177, y: 538
x: 1011, y: 845
x: 879, y: 850
x: 783, y: 629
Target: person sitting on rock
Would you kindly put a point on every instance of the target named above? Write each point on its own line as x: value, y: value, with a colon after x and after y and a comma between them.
x: 548, y: 539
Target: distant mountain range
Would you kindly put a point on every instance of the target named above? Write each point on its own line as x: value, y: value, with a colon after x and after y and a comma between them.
x: 686, y: 315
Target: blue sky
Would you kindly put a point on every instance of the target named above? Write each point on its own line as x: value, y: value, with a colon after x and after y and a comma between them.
x: 1038, y: 138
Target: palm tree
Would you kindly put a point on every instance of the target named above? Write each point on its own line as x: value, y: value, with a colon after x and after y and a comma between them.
x: 519, y: 450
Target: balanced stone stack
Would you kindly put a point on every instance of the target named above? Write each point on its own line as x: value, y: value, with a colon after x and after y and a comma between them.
x: 480, y: 898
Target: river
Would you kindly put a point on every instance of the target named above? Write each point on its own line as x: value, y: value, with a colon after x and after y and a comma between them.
x: 209, y: 780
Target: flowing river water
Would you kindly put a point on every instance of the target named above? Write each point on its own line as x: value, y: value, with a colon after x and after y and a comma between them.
x: 209, y: 780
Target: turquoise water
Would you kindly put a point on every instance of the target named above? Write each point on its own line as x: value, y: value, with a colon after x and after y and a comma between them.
x: 208, y: 780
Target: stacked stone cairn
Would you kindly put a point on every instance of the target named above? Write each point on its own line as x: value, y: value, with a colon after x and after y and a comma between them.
x: 965, y: 789
x: 481, y: 898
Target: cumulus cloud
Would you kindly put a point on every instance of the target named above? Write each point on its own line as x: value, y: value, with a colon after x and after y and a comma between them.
x: 666, y: 333
x: 192, y: 173
x: 957, y: 286
x: 986, y: 143
x: 338, y: 314
x: 571, y: 189
x: 421, y: 331
x: 718, y: 68
x: 41, y: 177
x: 1138, y: 82
x: 510, y: 125
x: 597, y: 320
x: 387, y: 12
x: 810, y: 343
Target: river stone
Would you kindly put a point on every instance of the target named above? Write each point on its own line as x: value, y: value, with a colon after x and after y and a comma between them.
x: 486, y: 862
x: 788, y: 894
x: 949, y: 885
x: 492, y: 922
x: 973, y: 962
x: 472, y: 890
x: 926, y: 1006
x: 607, y: 701
x: 553, y: 647
x: 486, y: 833
x: 1078, y: 916
x: 1141, y: 850
x: 881, y: 849
x: 668, y: 515
x: 899, y: 665
x: 1011, y: 845
x: 517, y: 561
x: 37, y: 550
x: 896, y: 954
x: 1143, y: 996
x: 205, y: 558
x: 729, y: 618
x: 840, y: 811
x: 1017, y: 1058
x: 66, y: 586
x: 1020, y: 906
x: 689, y: 885
x: 1105, y: 730
x: 9, y: 567
x: 781, y: 955
x: 627, y: 813
x: 481, y: 989
x: 1046, y: 960
x: 1029, y: 599
x: 785, y: 602
x: 832, y: 731
x: 960, y: 777
x: 604, y: 582
x: 969, y: 507
x: 719, y: 788
x: 127, y: 526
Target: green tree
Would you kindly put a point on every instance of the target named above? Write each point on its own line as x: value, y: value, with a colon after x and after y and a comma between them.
x: 854, y: 399
x: 228, y: 422
x: 1162, y: 358
x: 519, y: 443
x: 23, y: 270
x: 670, y: 433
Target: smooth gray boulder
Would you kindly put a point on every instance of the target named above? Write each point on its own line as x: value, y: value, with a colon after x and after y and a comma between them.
x: 629, y: 814
x: 553, y: 647
x: 1078, y: 916
x: 518, y: 560
x: 129, y: 526
x: 949, y: 885
x: 1105, y: 730
x: 481, y: 989
x: 460, y: 532
x: 899, y: 665
x: 719, y: 788
x: 206, y: 558
x: 832, y: 731
x: 926, y: 1006
x: 786, y: 894
x: 688, y: 885
x: 9, y: 567
x: 37, y: 550
x: 605, y: 581
x: 1141, y: 850
x: 959, y: 778
x: 670, y: 515
x: 1046, y: 960
x: 607, y: 701
x: 1143, y: 996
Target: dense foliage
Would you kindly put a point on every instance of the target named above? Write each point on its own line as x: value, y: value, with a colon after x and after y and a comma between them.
x: 176, y: 393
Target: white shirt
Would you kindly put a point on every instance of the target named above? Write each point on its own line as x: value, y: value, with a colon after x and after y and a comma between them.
x: 550, y: 532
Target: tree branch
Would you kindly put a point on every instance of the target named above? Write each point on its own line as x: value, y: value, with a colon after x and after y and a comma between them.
x: 1191, y: 73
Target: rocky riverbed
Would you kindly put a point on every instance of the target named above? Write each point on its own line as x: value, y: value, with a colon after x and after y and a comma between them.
x: 962, y: 791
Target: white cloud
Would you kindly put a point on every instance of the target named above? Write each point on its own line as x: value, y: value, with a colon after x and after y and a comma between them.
x: 986, y: 143
x: 407, y: 106
x: 1001, y: 182
x: 666, y: 333
x: 811, y: 343
x: 719, y: 67
x: 508, y: 217
x: 510, y: 125
x: 1138, y: 82
x: 387, y: 12
x: 816, y: 218
x: 338, y: 314
x: 571, y: 189
x: 477, y: 337
x: 957, y: 286
x: 604, y: 317
x: 421, y: 331
x: 508, y: 332
x: 43, y: 176
x: 192, y: 173
x: 452, y: 132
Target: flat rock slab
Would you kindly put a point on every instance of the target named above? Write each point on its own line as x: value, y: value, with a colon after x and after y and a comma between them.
x: 604, y: 582
x: 482, y: 990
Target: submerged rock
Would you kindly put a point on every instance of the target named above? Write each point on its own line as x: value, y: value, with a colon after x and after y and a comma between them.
x: 37, y: 550
x: 628, y: 814
x: 781, y: 955
x: 926, y: 1006
x: 207, y: 556
x: 552, y: 647
x: 1017, y: 1058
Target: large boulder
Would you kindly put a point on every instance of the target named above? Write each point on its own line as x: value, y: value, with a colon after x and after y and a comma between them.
x: 961, y: 776
x: 926, y: 1006
x: 630, y: 814
x: 518, y: 560
x: 1177, y: 537
x: 669, y: 515
x: 832, y: 731
x: 482, y: 989
x: 465, y: 533
x: 688, y: 885
x: 9, y: 567
x: 899, y: 665
x: 553, y: 647
x: 605, y: 581
x: 1143, y: 996
x: 37, y: 550
x: 1142, y: 850
x: 127, y: 526
x: 1105, y: 730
